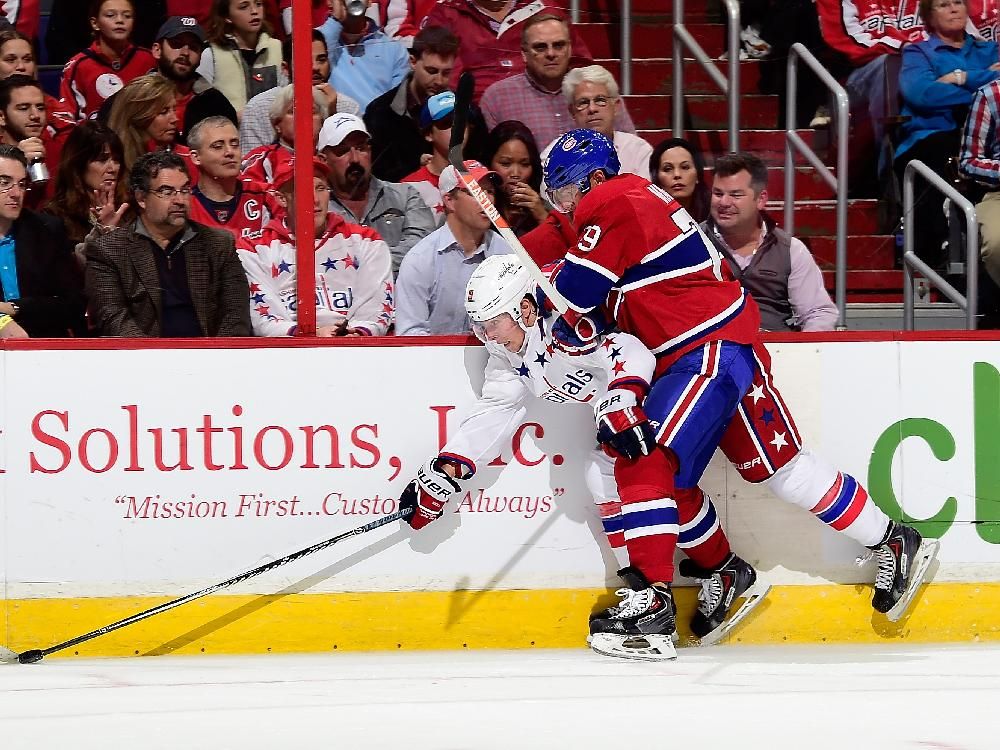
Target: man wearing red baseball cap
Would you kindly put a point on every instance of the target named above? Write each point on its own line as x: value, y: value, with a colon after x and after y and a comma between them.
x: 435, y: 273
x: 354, y: 289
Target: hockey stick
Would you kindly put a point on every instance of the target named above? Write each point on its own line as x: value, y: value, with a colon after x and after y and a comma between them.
x: 463, y: 100
x: 36, y: 654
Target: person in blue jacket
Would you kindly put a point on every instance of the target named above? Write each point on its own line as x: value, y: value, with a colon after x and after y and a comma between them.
x: 937, y: 80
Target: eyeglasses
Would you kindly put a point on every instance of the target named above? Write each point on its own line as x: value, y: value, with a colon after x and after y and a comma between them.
x: 9, y: 183
x: 167, y: 191
x: 540, y: 48
x: 598, y: 101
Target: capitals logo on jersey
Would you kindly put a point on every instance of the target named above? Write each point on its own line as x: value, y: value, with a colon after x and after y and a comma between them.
x: 245, y: 216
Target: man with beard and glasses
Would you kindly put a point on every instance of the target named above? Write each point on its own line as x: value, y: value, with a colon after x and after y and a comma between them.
x: 177, y: 51
x: 396, y: 211
x: 165, y: 276
x: 256, y: 127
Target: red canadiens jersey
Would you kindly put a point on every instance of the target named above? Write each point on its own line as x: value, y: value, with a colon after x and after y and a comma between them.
x: 245, y: 216
x: 89, y: 78
x: 23, y: 15
x: 663, y: 280
x: 262, y: 163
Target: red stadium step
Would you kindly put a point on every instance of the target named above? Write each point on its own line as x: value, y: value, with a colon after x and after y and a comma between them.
x: 864, y: 252
x: 818, y: 219
x: 882, y: 282
x: 808, y: 184
x: 769, y: 145
x: 650, y: 40
x: 703, y: 111
x: 655, y: 76
x: 604, y: 10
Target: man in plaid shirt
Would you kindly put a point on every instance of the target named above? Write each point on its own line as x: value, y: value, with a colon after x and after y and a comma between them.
x: 535, y: 96
x: 979, y: 160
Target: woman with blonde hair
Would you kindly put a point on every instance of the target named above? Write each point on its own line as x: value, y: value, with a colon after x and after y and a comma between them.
x: 144, y: 115
x: 243, y: 58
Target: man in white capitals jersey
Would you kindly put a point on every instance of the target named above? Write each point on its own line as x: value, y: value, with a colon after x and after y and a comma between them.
x: 644, y: 521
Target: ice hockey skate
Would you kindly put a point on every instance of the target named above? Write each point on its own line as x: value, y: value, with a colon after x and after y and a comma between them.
x: 903, y: 558
x: 720, y: 588
x: 641, y: 626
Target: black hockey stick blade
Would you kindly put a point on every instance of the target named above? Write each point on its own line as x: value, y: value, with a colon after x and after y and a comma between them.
x: 463, y: 100
x: 37, y: 654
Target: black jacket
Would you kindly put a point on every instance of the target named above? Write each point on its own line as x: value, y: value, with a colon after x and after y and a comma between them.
x: 49, y: 280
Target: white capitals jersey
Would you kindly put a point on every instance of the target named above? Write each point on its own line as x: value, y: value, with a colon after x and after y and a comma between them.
x: 615, y: 361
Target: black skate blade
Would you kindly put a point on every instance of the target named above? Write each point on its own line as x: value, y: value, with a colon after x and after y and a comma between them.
x: 926, y: 553
x: 636, y: 648
x: 752, y: 597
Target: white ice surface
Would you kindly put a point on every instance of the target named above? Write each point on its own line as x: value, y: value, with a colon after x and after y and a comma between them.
x: 738, y: 697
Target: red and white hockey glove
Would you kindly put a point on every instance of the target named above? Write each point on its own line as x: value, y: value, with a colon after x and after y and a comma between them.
x: 428, y: 493
x: 622, y: 427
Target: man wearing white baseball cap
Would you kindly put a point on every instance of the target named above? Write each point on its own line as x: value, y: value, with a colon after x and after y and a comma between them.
x: 395, y: 211
x: 430, y: 288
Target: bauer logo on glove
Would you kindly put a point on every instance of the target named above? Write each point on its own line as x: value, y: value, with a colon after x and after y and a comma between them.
x: 428, y: 493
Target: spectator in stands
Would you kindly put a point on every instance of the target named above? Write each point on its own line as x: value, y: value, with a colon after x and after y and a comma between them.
x: 435, y: 123
x: 677, y: 166
x: 23, y: 15
x: 222, y: 198
x: 89, y: 190
x: 177, y: 50
x: 23, y: 123
x: 256, y: 128
x: 69, y: 31
x: 512, y: 153
x: 108, y: 64
x: 776, y: 268
x: 430, y: 291
x: 939, y: 77
x: 9, y: 329
x: 354, y: 292
x: 395, y: 211
x: 592, y: 96
x: 393, y: 118
x: 263, y: 163
x: 365, y: 62
x: 535, y: 97
x: 979, y: 160
x: 164, y: 275
x: 320, y: 12
x: 243, y: 58
x: 144, y: 116
x: 491, y: 37
x: 40, y: 285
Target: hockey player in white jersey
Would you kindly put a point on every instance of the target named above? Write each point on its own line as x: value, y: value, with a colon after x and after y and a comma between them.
x: 611, y: 374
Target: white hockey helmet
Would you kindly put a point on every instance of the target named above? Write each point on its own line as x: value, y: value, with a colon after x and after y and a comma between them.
x: 496, y: 287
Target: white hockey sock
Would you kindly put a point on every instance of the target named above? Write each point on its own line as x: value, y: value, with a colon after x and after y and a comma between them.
x: 836, y: 498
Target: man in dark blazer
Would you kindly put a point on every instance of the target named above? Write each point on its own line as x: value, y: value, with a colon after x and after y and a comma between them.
x: 41, y: 287
x: 164, y: 275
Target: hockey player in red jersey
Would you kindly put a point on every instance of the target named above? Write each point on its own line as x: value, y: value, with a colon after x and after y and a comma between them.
x: 643, y: 519
x: 222, y: 198
x: 640, y: 253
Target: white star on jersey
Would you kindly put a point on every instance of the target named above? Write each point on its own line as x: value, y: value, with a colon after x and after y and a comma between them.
x: 779, y: 441
x: 757, y: 393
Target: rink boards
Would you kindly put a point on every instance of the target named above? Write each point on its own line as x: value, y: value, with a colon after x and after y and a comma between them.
x: 133, y: 474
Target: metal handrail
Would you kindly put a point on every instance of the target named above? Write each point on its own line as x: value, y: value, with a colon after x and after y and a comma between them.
x: 968, y: 302
x: 838, y: 182
x: 625, y: 84
x: 683, y: 41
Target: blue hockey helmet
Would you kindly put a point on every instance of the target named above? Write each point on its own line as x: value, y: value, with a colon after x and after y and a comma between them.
x: 578, y: 154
